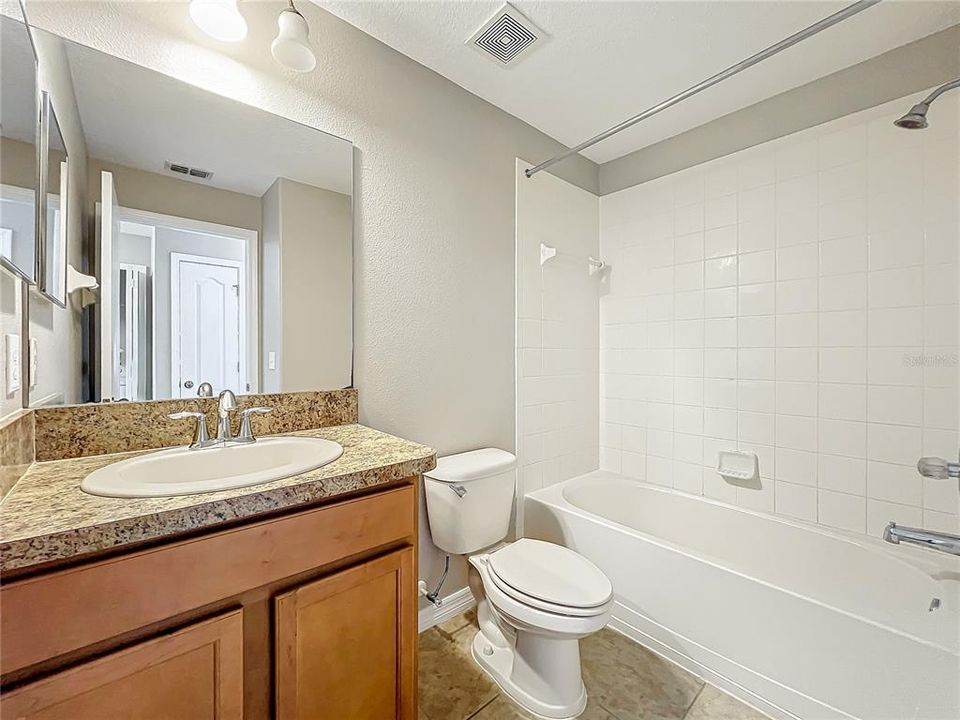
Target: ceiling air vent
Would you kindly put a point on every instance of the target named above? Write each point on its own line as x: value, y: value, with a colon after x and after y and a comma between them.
x: 193, y: 172
x: 506, y: 36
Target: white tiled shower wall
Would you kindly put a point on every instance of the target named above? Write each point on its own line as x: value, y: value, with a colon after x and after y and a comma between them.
x: 797, y: 300
x: 558, y: 393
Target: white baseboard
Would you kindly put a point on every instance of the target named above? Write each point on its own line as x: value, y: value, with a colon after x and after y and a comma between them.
x: 451, y: 605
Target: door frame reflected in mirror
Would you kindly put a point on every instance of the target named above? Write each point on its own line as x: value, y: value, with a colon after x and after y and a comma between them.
x: 52, y: 288
x: 249, y: 299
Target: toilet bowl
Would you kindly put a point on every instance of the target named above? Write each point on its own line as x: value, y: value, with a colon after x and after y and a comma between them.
x: 535, y: 599
x: 531, y: 623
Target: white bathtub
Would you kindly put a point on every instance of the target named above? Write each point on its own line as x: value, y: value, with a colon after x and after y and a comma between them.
x: 798, y: 621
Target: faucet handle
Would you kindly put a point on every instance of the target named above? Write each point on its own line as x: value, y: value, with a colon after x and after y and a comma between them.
x: 938, y: 468
x: 246, y: 428
x: 201, y: 436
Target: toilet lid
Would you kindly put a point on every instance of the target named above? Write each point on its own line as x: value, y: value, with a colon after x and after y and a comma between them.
x: 551, y: 573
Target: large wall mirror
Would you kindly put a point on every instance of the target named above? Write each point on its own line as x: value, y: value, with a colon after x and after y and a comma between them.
x: 219, y: 236
x: 19, y: 129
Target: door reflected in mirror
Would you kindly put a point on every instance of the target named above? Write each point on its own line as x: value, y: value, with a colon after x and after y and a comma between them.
x: 183, y: 318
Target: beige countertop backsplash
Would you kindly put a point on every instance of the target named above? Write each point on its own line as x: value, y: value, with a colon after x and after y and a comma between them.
x: 97, y: 429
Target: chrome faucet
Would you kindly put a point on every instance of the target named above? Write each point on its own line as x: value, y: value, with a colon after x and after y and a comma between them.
x: 226, y: 403
x: 941, y: 542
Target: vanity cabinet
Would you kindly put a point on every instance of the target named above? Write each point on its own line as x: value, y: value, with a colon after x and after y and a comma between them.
x: 311, y: 614
x: 195, y: 673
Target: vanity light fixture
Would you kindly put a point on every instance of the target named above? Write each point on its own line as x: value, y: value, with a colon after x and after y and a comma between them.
x: 220, y: 19
x: 291, y: 48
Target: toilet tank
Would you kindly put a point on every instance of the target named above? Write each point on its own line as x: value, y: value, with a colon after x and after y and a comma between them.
x: 469, y: 499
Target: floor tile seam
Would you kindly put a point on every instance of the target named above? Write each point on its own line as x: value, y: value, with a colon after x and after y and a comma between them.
x: 696, y: 697
x: 483, y: 707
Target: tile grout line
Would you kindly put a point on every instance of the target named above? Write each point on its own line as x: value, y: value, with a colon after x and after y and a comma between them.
x: 696, y: 697
x: 484, y: 706
x: 608, y: 711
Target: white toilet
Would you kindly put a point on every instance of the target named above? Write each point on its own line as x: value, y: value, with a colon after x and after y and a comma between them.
x: 535, y: 600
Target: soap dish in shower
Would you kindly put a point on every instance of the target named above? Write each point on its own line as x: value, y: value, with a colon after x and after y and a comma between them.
x: 738, y: 466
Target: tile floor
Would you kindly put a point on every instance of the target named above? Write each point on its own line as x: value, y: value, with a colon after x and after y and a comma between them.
x: 624, y: 681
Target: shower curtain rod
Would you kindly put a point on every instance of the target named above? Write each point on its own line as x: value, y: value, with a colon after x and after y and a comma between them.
x: 829, y: 21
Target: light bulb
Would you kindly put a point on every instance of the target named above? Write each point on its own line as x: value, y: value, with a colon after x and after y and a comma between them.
x: 291, y: 48
x: 220, y: 19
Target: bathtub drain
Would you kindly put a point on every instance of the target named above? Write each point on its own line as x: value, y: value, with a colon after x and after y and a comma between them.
x: 934, y: 605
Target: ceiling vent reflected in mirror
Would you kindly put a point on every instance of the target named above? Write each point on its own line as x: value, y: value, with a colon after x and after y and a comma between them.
x: 181, y: 169
x: 507, y: 37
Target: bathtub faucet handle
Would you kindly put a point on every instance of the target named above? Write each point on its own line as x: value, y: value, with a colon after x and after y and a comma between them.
x: 938, y: 468
x: 889, y: 535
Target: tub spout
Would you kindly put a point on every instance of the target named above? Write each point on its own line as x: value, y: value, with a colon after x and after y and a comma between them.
x: 941, y: 542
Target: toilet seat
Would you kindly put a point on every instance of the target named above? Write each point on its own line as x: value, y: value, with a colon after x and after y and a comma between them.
x: 550, y: 577
x: 521, y: 612
x: 532, y: 602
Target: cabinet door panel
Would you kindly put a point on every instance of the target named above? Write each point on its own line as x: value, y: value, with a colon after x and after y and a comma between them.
x: 195, y: 673
x: 346, y: 644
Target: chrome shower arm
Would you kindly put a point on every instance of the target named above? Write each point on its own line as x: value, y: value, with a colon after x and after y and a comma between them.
x: 940, y: 91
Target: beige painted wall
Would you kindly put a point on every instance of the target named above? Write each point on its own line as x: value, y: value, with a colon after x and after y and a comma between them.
x: 307, y: 287
x: 143, y: 190
x: 19, y: 166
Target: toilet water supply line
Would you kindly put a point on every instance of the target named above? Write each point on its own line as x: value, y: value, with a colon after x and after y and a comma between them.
x: 434, y: 596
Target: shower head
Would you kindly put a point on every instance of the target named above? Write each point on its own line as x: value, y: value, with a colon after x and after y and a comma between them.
x: 916, y: 119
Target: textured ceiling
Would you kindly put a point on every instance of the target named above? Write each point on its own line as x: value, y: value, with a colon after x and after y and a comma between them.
x: 607, y: 61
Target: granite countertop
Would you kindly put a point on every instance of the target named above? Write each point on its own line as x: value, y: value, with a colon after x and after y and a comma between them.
x: 46, y: 517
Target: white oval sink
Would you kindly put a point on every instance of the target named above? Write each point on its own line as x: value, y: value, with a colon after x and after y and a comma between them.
x: 182, y: 471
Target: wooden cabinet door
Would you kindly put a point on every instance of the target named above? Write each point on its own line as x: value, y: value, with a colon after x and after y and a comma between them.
x: 193, y: 674
x: 346, y: 644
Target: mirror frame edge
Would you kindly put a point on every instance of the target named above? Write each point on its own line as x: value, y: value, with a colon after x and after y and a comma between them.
x: 48, y: 116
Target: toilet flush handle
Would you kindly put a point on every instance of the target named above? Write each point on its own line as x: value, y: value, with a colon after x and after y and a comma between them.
x: 460, y: 490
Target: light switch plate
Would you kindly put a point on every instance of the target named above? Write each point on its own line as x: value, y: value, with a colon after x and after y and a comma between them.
x: 11, y: 351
